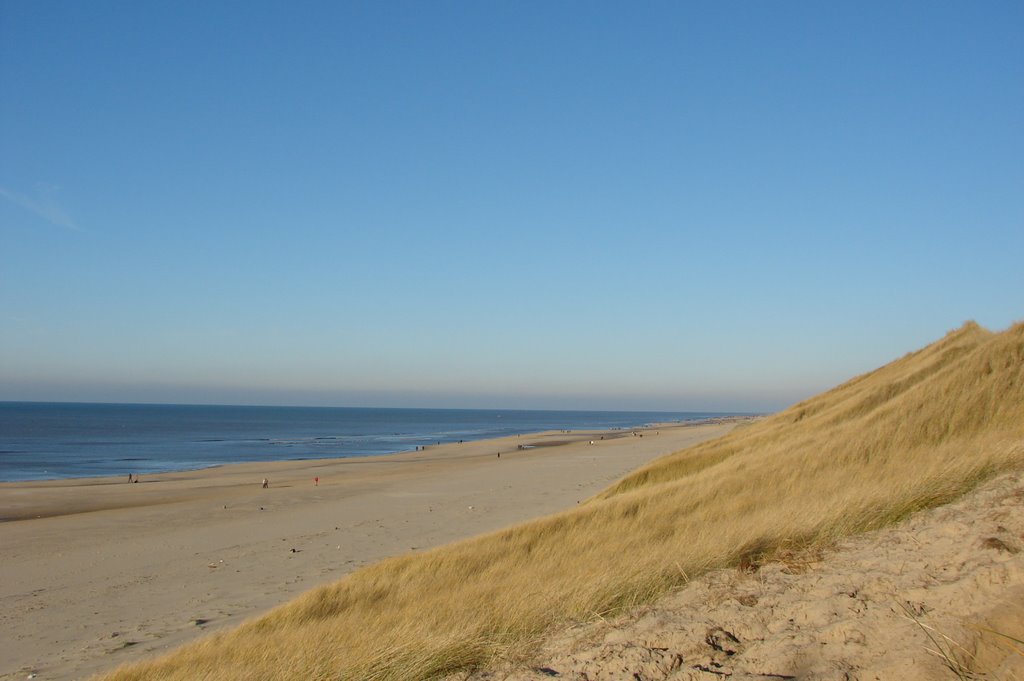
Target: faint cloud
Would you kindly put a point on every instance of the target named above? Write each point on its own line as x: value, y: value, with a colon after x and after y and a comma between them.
x: 44, y: 204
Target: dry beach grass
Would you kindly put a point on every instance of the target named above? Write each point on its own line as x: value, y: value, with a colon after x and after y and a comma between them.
x: 914, y: 434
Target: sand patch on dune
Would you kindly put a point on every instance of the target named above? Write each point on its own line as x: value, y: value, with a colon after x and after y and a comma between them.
x: 885, y: 605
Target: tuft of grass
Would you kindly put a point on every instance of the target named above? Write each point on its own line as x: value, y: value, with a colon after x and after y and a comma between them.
x: 913, y: 434
x: 952, y: 654
x: 997, y: 648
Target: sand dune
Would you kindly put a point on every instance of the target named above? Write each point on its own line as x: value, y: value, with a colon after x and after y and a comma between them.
x: 899, y: 603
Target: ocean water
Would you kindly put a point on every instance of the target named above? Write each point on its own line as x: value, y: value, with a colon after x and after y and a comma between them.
x: 40, y: 441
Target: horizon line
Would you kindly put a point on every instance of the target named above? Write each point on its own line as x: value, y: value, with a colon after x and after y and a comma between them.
x: 303, y: 406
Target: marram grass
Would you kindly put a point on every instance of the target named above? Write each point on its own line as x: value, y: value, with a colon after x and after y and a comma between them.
x: 913, y: 434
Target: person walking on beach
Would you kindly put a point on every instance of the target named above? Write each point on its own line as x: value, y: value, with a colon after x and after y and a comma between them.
x: 266, y: 483
x: 316, y: 481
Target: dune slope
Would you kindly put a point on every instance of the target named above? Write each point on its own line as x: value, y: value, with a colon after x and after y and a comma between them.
x: 914, y: 434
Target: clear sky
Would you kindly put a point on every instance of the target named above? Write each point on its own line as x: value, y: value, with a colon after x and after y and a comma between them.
x: 634, y: 205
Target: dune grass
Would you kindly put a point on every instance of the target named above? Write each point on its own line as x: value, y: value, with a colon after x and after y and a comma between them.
x: 913, y: 434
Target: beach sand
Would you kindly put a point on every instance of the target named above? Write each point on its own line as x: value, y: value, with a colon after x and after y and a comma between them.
x: 96, y: 572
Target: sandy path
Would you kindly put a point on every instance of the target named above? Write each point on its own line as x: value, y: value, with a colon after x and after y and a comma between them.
x: 846, y: 614
x: 97, y: 572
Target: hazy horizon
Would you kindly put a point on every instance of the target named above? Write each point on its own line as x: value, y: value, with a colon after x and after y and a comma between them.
x: 402, y: 401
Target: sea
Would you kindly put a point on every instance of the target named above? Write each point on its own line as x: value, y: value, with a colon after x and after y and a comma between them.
x: 50, y: 440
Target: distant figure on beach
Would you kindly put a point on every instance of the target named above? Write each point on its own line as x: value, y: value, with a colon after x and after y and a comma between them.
x: 266, y: 483
x: 316, y: 481
x: 129, y: 477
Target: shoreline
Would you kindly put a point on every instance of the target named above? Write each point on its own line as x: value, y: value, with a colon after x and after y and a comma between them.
x: 54, y: 440
x: 97, y: 571
x: 187, y: 467
x: 45, y: 505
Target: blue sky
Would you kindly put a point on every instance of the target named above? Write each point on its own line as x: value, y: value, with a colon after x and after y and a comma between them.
x: 693, y: 206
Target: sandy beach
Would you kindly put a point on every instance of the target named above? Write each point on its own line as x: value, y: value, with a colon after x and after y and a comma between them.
x: 96, y: 572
